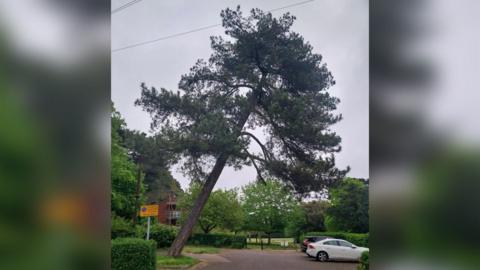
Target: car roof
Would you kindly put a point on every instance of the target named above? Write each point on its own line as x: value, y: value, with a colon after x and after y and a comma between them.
x: 332, y: 239
x: 316, y: 238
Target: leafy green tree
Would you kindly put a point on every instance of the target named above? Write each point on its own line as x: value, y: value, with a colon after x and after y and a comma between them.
x: 152, y: 158
x: 222, y: 210
x: 307, y: 217
x: 263, y: 76
x: 236, y: 217
x: 296, y: 222
x: 127, y: 187
x: 267, y: 206
x: 349, y: 207
x: 315, y: 212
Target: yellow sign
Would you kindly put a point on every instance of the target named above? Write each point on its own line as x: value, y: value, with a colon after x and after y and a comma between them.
x: 149, y: 210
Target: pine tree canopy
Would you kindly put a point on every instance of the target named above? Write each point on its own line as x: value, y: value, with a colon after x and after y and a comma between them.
x: 262, y: 76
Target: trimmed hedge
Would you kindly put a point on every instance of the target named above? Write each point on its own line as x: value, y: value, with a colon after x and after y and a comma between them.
x: 133, y: 254
x: 359, y: 239
x: 364, y: 261
x: 218, y: 240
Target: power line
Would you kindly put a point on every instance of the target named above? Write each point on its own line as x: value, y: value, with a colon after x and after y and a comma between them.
x: 122, y: 7
x: 166, y: 37
x: 292, y: 5
x: 197, y: 29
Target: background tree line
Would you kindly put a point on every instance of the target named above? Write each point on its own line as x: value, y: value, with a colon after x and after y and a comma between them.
x: 139, y: 169
x: 268, y: 208
x: 140, y: 174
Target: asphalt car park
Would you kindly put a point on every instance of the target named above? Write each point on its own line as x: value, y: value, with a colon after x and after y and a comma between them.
x: 268, y: 260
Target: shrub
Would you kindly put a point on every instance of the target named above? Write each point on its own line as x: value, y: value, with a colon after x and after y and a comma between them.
x: 140, y: 231
x: 133, y: 254
x: 359, y: 239
x: 364, y: 261
x: 121, y: 228
x: 161, y: 233
x: 218, y: 240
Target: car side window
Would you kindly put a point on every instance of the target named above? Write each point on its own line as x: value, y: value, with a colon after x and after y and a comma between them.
x: 345, y: 244
x: 331, y: 243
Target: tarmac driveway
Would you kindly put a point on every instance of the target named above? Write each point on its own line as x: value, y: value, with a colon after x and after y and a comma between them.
x: 244, y: 259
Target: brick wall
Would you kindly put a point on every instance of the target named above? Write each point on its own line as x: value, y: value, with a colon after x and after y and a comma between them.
x: 162, y: 212
x: 163, y: 209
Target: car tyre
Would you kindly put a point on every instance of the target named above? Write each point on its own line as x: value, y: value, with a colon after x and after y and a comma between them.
x: 322, y: 256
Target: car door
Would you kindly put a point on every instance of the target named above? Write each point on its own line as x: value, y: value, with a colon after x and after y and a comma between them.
x: 333, y: 249
x: 347, y: 250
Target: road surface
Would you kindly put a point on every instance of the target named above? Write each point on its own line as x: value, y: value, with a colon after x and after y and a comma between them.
x: 243, y: 259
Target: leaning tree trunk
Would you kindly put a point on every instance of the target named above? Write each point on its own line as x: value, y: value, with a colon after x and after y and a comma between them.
x: 182, y: 237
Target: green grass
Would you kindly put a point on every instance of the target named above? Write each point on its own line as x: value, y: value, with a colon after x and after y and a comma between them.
x: 201, y: 249
x: 175, y: 262
x: 275, y: 244
x: 274, y: 241
x: 182, y: 262
x: 279, y: 240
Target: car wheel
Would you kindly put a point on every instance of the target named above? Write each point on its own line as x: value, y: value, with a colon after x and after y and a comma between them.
x: 322, y: 256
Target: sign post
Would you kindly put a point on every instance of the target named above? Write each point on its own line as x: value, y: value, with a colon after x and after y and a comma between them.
x: 148, y: 228
x: 149, y: 211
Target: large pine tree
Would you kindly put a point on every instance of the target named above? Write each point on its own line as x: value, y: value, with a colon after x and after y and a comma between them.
x: 262, y: 76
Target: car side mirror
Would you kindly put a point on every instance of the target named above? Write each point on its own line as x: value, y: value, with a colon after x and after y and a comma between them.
x: 353, y: 246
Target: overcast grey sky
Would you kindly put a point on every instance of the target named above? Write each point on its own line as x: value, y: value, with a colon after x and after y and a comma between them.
x: 337, y: 29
